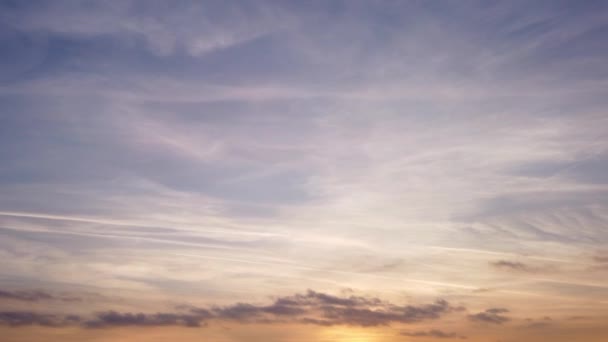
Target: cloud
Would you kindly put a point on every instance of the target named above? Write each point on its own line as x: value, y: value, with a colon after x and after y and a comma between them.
x: 23, y: 318
x: 312, y: 297
x: 432, y: 333
x: 493, y: 316
x: 511, y: 265
x: 308, y: 308
x: 324, y: 309
x: 165, y: 30
x: 34, y: 296
x: 117, y: 319
x: 289, y: 141
x: 244, y: 312
x: 388, y: 314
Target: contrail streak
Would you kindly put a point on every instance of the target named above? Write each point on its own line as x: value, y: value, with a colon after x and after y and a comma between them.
x: 122, y: 223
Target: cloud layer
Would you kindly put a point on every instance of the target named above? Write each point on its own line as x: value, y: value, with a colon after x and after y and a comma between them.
x: 309, y: 308
x: 156, y: 153
x: 493, y: 316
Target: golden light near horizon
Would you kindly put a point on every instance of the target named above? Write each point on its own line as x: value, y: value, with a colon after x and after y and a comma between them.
x: 350, y: 334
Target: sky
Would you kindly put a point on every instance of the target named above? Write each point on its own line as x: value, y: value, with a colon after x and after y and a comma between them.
x: 332, y: 171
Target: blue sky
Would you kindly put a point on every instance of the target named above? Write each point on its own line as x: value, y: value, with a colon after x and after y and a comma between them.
x: 209, y: 153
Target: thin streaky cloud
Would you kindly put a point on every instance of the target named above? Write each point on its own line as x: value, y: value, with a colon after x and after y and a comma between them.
x: 125, y: 223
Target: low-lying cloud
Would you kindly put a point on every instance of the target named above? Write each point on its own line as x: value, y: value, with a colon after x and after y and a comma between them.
x: 25, y: 318
x: 113, y: 319
x: 308, y: 308
x: 493, y: 316
x: 436, y: 333
x: 323, y: 309
x: 35, y: 295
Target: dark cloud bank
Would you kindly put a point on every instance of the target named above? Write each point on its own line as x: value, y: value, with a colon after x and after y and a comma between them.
x: 307, y: 308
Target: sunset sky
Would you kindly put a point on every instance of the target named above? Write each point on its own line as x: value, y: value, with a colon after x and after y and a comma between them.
x: 304, y: 171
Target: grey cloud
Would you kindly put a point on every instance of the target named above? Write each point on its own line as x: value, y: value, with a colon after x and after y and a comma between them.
x: 313, y: 297
x: 244, y: 312
x: 432, y: 333
x: 493, y: 316
x: 323, y: 309
x: 30, y: 296
x: 312, y: 307
x: 114, y: 319
x: 497, y: 310
x: 386, y: 315
x: 295, y: 305
x: 511, y: 265
x: 24, y: 318
x: 101, y: 320
x: 34, y: 296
